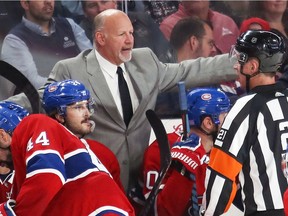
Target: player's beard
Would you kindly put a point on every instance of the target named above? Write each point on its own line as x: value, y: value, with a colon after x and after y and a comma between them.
x: 7, y: 162
x: 214, y: 135
x: 80, y: 129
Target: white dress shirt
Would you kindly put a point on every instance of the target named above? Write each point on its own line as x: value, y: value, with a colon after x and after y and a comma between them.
x: 109, y: 72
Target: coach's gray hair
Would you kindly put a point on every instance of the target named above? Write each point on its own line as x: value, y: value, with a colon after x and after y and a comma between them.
x: 100, y: 19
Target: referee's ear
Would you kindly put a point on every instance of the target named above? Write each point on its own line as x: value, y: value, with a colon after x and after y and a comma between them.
x: 254, y: 65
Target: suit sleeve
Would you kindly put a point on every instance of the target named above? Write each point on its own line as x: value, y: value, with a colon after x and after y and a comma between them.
x: 195, y: 72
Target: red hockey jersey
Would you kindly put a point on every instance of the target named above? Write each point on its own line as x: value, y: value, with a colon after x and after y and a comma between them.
x: 174, y: 198
x: 5, y: 186
x: 56, y: 174
x: 107, y: 158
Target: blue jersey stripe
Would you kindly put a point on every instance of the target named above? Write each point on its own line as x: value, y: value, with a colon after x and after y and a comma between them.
x: 78, y: 164
x: 45, y: 161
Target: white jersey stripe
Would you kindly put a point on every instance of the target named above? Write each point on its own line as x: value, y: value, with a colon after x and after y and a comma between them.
x: 216, y: 190
x: 275, y: 109
x: 53, y: 171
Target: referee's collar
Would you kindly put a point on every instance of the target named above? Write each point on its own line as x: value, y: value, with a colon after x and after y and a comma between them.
x: 268, y: 88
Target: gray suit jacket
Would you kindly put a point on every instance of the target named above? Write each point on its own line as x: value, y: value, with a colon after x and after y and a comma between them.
x: 149, y: 77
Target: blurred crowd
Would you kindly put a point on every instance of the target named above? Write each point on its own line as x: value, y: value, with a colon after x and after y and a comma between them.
x: 153, y: 22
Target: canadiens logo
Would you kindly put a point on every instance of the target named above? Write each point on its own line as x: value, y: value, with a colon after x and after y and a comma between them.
x: 206, y: 96
x: 52, y: 88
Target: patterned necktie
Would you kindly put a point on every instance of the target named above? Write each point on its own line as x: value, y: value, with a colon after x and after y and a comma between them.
x: 125, y: 97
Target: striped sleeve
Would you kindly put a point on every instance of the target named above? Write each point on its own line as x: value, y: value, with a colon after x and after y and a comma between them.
x: 46, y: 161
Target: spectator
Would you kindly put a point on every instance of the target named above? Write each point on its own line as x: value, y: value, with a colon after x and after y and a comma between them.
x: 146, y: 78
x: 249, y: 146
x: 146, y: 32
x: 39, y: 41
x: 207, y: 108
x: 54, y: 169
x: 275, y: 12
x: 74, y: 8
x: 159, y: 10
x: 10, y: 116
x: 237, y: 10
x: 224, y: 28
x: 254, y: 23
x: 190, y: 38
x: 10, y: 15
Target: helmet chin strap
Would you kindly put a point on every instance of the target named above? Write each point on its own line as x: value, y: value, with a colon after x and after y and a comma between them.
x: 213, y: 133
x: 248, y: 76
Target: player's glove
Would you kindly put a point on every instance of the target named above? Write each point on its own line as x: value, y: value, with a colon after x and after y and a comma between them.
x: 6, y: 208
x: 188, y: 154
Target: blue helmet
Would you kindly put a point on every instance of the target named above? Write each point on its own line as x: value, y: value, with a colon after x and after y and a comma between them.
x: 58, y: 95
x: 10, y: 115
x: 206, y: 101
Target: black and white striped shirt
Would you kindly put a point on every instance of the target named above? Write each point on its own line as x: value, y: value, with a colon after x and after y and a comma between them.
x: 249, y: 150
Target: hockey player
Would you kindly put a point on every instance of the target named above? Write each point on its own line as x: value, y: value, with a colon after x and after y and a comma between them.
x: 207, y: 108
x: 10, y: 116
x: 57, y: 99
x: 55, y: 172
x: 253, y: 138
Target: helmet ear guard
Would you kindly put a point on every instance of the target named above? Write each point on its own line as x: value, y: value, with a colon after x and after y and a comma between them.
x: 62, y: 110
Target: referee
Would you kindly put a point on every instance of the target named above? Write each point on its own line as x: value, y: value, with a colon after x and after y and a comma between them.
x: 249, y: 147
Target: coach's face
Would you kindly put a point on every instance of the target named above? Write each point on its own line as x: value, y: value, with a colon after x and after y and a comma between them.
x: 116, y: 38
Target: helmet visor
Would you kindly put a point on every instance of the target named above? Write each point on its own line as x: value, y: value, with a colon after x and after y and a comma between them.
x: 236, y: 56
x: 82, y: 106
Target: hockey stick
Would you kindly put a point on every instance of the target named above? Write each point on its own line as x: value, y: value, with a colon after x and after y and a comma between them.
x: 165, y: 158
x: 183, y: 110
x: 186, y: 130
x: 22, y: 84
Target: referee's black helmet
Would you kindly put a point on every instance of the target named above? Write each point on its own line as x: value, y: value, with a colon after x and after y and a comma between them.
x: 268, y: 47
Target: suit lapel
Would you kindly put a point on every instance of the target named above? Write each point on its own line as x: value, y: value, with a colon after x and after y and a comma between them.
x: 100, y: 88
